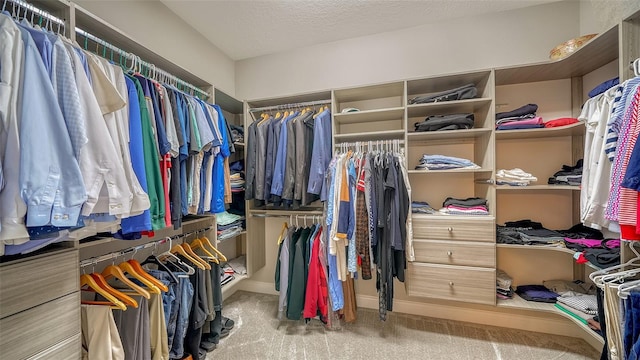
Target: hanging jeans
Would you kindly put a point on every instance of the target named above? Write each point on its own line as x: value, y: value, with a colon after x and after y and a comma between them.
x: 184, y: 299
x: 631, y: 337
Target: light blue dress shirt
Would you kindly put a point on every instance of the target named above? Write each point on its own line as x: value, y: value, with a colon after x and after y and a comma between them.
x: 50, y: 180
x: 321, y: 155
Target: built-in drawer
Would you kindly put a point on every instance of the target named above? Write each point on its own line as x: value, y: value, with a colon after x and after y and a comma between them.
x: 69, y: 349
x: 32, y: 282
x: 459, y: 283
x: 32, y: 331
x: 454, y: 228
x: 455, y: 252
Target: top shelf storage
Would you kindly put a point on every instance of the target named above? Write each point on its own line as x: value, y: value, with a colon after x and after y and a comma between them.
x: 601, y: 50
x: 427, y: 86
x: 374, y: 97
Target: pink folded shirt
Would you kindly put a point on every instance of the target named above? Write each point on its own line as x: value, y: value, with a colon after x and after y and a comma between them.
x: 612, y: 243
x: 533, y: 121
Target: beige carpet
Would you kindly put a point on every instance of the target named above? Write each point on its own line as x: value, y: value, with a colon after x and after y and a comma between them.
x: 259, y: 335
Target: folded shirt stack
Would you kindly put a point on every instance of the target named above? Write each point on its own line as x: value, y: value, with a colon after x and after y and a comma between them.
x: 569, y: 175
x: 468, y: 206
x: 581, y: 302
x: 445, y: 122
x: 229, y: 224
x: 503, y: 285
x: 467, y: 91
x: 560, y: 122
x: 443, y: 162
x: 537, y: 293
x: 523, y: 117
x: 527, y: 232
x: 570, y: 288
x: 421, y: 207
x: 237, y: 182
x: 514, y: 177
x: 237, y: 133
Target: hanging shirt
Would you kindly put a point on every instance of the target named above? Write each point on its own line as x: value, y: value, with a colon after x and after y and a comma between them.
x: 321, y: 154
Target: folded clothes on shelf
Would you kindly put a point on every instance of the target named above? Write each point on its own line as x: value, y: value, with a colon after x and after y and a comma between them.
x: 537, y: 293
x: 569, y: 288
x: 468, y: 91
x: 582, y: 302
x: 527, y: 232
x: 528, y: 109
x: 468, y: 206
x: 560, y: 122
x: 445, y: 122
x: 514, y: 177
x: 443, y: 162
x: 421, y: 207
x: 569, y: 175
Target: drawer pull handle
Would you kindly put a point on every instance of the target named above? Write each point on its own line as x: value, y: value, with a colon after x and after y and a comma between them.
x: 450, y: 229
x: 451, y: 283
x: 449, y: 253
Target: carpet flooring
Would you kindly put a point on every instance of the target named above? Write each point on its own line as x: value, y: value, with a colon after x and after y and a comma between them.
x: 259, y: 335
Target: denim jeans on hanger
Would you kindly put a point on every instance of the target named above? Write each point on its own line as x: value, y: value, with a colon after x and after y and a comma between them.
x: 184, y: 299
x: 169, y: 297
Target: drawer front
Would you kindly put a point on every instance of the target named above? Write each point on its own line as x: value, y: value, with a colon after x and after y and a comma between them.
x: 472, y: 229
x: 32, y: 331
x: 69, y: 349
x: 455, y: 253
x: 30, y: 283
x: 459, y: 283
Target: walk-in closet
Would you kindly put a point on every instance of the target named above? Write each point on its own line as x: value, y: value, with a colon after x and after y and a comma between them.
x: 328, y: 180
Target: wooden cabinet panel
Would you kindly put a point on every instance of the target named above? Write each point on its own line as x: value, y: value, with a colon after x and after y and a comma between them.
x: 468, y: 284
x: 32, y: 331
x: 68, y: 349
x: 26, y: 284
x: 455, y: 253
x: 450, y: 228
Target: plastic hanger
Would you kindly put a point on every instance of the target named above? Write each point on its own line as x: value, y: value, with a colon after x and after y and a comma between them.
x: 115, y: 272
x: 128, y: 268
x: 197, y: 257
x: 126, y: 299
x: 138, y: 268
x: 177, y: 249
x: 625, y: 288
x: 597, y: 275
x: 153, y: 259
x: 89, y: 282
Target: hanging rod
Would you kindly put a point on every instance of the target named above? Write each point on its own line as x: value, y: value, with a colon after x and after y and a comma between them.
x: 289, y: 106
x: 165, y: 76
x: 34, y: 10
x: 117, y: 254
x: 369, y: 143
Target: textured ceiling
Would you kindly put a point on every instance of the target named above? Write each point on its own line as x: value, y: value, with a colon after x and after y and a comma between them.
x: 244, y: 29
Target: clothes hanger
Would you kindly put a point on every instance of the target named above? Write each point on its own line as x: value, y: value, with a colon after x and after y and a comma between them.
x: 197, y: 257
x: 177, y: 249
x: 625, y: 288
x: 168, y: 255
x: 285, y: 227
x: 102, y: 282
x: 138, y: 268
x: 199, y: 244
x: 128, y: 268
x: 90, y: 284
x: 596, y: 275
x: 113, y: 271
x: 153, y: 259
x: 220, y: 256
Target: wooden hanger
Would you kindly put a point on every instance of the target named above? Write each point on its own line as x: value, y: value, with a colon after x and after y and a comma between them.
x: 128, y: 268
x: 214, y: 249
x: 189, y: 251
x: 177, y: 249
x: 285, y: 226
x: 126, y: 299
x: 199, y: 244
x: 138, y: 268
x: 115, y: 272
x: 88, y: 282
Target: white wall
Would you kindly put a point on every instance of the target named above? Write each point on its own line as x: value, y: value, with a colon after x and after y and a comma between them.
x: 499, y: 39
x: 152, y: 24
x: 599, y: 15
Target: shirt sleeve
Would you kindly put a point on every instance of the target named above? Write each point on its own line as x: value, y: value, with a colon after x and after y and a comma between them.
x: 51, y: 183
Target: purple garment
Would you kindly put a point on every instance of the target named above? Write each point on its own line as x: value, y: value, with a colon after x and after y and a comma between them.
x: 594, y: 243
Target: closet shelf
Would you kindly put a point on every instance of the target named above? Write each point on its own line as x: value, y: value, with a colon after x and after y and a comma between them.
x: 451, y: 171
x: 537, y: 187
x: 371, y: 135
x: 600, y: 51
x: 417, y: 216
x: 576, y: 129
x: 224, y: 238
x: 369, y: 116
x: 452, y: 134
x: 448, y: 107
x: 229, y: 288
x: 519, y: 303
x: 543, y: 248
x: 368, y: 92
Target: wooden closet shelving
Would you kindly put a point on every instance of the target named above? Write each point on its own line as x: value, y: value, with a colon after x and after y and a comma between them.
x: 576, y: 129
